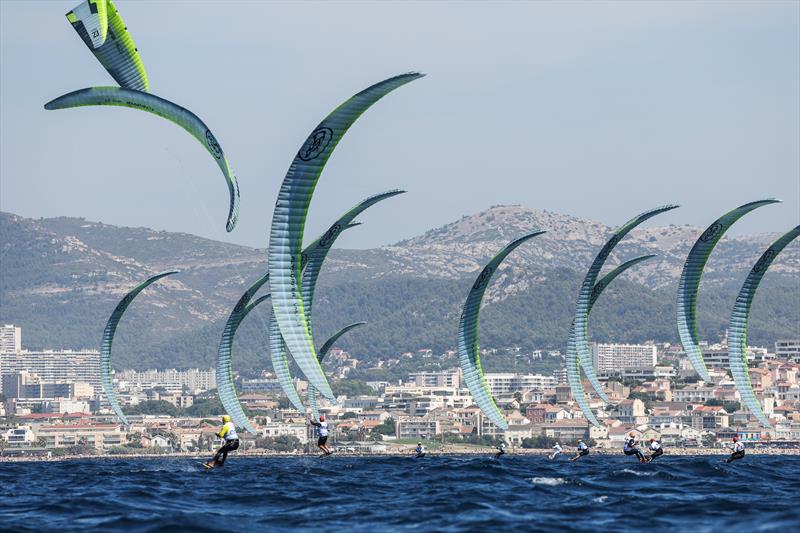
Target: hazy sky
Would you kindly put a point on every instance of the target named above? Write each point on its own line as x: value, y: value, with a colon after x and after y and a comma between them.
x: 597, y: 110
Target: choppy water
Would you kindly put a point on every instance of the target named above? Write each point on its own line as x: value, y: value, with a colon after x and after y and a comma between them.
x: 456, y: 493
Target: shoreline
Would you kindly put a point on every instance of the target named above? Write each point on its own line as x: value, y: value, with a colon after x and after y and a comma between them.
x: 683, y: 452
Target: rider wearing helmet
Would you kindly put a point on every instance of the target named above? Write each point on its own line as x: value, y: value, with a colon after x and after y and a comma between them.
x: 420, y: 450
x: 655, y: 447
x: 630, y: 447
x: 738, y: 450
x: 231, y: 442
x: 322, y: 432
x: 583, y: 451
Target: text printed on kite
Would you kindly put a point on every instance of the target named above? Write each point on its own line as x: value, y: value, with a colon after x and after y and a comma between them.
x: 118, y: 96
x: 108, y: 339
x: 689, y: 283
x: 468, y: 353
x: 737, y: 328
x: 288, y: 221
x: 117, y: 53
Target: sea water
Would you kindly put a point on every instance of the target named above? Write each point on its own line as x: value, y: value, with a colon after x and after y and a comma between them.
x: 382, y: 493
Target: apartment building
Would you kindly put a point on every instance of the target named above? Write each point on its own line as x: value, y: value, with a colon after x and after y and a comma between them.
x: 615, y: 357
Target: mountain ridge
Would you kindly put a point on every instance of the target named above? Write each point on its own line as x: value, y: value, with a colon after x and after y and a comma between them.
x: 62, y: 276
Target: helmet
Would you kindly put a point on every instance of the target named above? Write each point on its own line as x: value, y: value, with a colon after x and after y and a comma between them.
x: 735, y: 438
x: 322, y: 418
x: 631, y: 434
x: 652, y: 440
x: 419, y: 444
x: 226, y: 418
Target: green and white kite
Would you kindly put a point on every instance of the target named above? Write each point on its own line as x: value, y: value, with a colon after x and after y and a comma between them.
x: 690, y: 282
x: 121, y: 97
x: 113, y: 46
x: 226, y: 389
x: 288, y: 223
x: 578, y: 344
x: 108, y: 339
x: 737, y: 329
x: 573, y: 374
x: 321, y: 353
x: 468, y: 354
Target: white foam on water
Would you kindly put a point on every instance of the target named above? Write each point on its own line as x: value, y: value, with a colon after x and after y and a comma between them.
x: 600, y: 499
x: 635, y: 473
x: 549, y: 481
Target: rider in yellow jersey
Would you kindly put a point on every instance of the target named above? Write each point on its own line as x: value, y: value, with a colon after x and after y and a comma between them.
x: 228, y: 434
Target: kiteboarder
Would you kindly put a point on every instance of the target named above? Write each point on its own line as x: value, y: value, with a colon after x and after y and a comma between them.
x: 322, y: 432
x: 420, y: 450
x: 557, y: 451
x: 228, y: 434
x: 501, y: 450
x: 738, y: 450
x: 583, y: 450
x: 656, y: 448
x: 630, y: 447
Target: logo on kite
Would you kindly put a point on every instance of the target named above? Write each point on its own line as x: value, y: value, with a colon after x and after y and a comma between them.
x: 483, y: 278
x: 764, y: 261
x: 596, y: 290
x: 330, y: 235
x: 316, y: 143
x: 711, y: 232
x: 213, y: 145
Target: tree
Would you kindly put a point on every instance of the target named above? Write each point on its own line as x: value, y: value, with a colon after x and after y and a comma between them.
x: 644, y: 396
x: 540, y: 441
x: 41, y: 442
x: 205, y: 407
x: 709, y: 440
x: 348, y: 415
x: 154, y: 407
x: 388, y: 427
x: 731, y: 407
x: 351, y: 388
x: 713, y: 402
x: 281, y: 443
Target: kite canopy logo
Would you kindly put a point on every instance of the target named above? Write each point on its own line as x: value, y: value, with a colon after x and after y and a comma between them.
x: 710, y: 232
x: 330, y: 235
x: 316, y: 143
x: 213, y: 145
x: 765, y: 260
x: 484, y: 278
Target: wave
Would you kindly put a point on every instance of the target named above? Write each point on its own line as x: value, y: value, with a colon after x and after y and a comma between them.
x: 549, y: 481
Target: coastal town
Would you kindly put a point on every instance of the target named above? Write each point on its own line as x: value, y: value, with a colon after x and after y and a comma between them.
x: 53, y: 404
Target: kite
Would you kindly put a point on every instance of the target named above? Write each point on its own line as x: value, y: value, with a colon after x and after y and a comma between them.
x: 118, y: 96
x: 117, y: 52
x: 288, y: 222
x: 737, y: 329
x: 321, y: 353
x: 468, y: 354
x: 690, y: 282
x: 108, y: 339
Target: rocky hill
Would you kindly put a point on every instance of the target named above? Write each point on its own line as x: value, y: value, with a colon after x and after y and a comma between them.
x: 61, y: 277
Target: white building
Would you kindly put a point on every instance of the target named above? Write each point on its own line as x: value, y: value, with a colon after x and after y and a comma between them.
x: 611, y: 357
x: 789, y: 349
x: 194, y: 379
x: 504, y: 383
x: 10, y: 339
x: 277, y: 429
x: 443, y: 378
x: 55, y: 366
